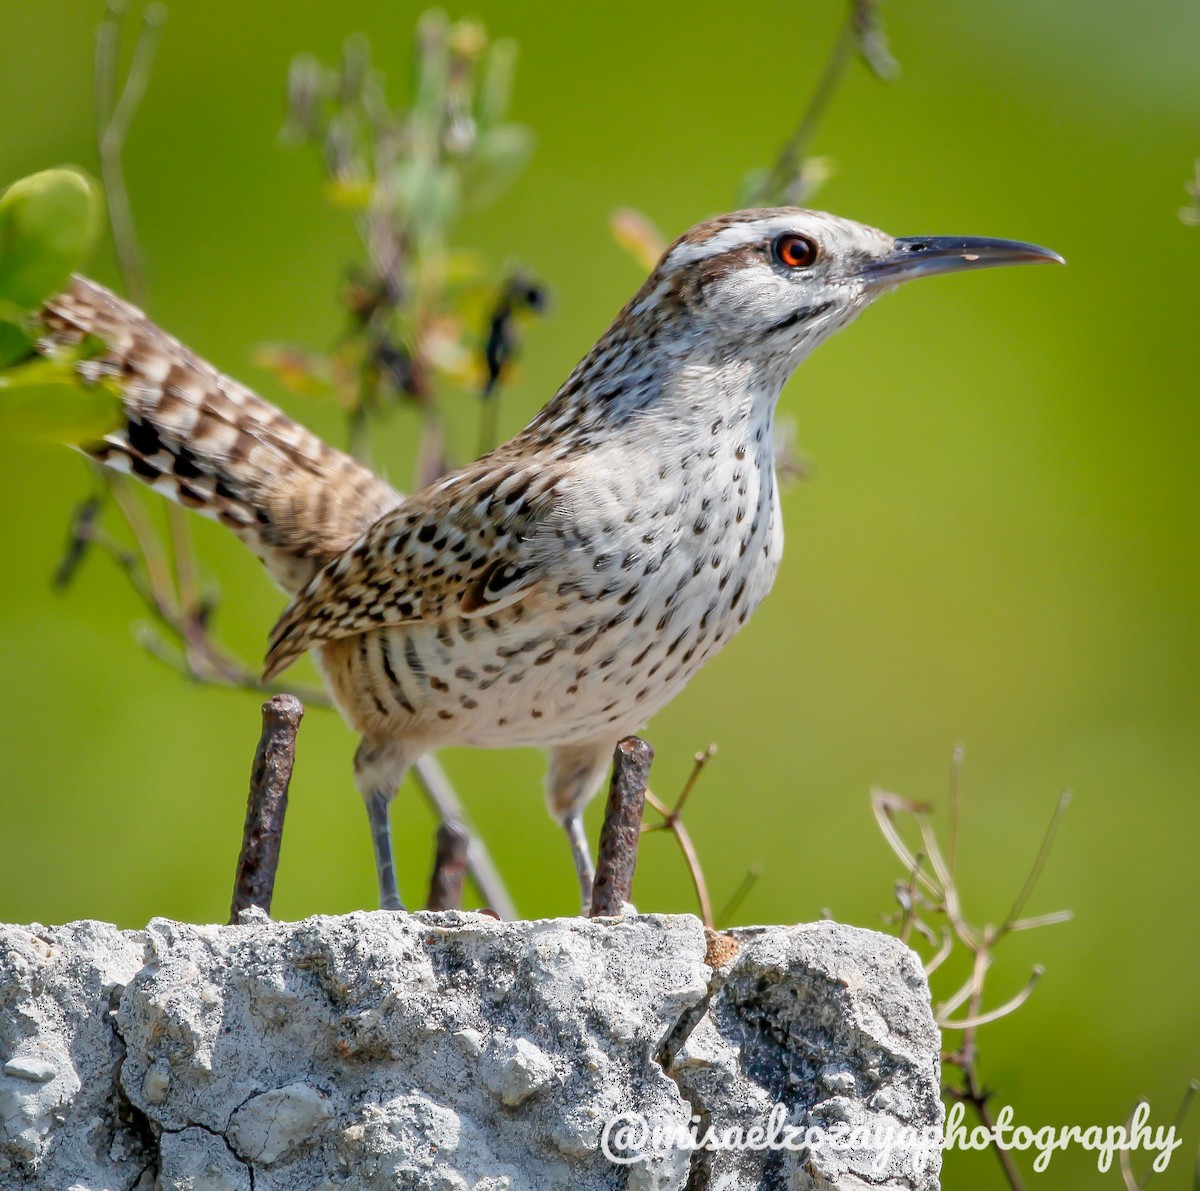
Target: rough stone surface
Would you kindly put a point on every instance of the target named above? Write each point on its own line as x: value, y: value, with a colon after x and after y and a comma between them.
x: 834, y: 1024
x: 57, y: 989
x: 452, y: 1052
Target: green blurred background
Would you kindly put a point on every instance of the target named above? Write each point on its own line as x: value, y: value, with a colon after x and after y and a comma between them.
x: 997, y: 545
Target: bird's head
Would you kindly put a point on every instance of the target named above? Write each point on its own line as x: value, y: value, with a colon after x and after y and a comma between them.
x: 771, y: 284
x: 738, y: 301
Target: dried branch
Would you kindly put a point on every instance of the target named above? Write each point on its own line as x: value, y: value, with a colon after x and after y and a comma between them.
x: 114, y: 116
x: 435, y: 785
x: 966, y: 1059
x: 906, y: 896
x: 672, y: 821
x: 935, y: 892
x: 957, y: 757
x: 1132, y: 1183
x: 81, y: 532
x: 739, y: 895
x: 980, y: 1019
x: 939, y: 957
x: 1039, y: 863
x: 794, y: 176
x: 266, y: 806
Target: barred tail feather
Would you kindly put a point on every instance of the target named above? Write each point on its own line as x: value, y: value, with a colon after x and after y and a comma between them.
x: 214, y: 446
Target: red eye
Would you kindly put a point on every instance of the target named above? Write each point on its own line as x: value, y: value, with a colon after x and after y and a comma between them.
x: 795, y: 252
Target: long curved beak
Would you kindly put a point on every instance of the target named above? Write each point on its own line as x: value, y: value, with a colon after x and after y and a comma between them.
x: 926, y: 256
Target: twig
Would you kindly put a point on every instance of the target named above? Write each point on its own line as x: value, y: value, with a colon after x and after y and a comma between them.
x: 1039, y: 863
x: 673, y: 822
x: 980, y: 1019
x: 254, y: 884
x: 1123, y: 1157
x: 906, y: 894
x: 80, y: 535
x: 780, y: 184
x: 700, y: 761
x: 114, y: 115
x: 187, y: 576
x: 939, y: 957
x: 961, y: 995
x: 956, y: 763
x: 442, y: 797
x: 967, y: 1059
x: 1039, y: 920
x: 739, y: 895
x: 937, y: 891
x: 883, y: 806
x: 158, y: 574
x: 449, y: 866
x: 1132, y: 1183
x: 619, y: 836
x: 977, y: 1098
x: 790, y: 181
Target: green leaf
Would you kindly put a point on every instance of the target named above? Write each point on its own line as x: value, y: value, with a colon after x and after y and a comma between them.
x: 429, y: 196
x: 433, y: 71
x: 495, y: 89
x: 44, y: 399
x: 500, y: 155
x: 14, y: 344
x: 48, y: 225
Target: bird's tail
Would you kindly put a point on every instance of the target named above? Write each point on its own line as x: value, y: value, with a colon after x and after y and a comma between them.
x: 212, y: 445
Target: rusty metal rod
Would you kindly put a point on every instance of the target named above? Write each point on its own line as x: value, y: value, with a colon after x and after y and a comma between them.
x: 266, y: 805
x: 449, y: 867
x: 622, y: 829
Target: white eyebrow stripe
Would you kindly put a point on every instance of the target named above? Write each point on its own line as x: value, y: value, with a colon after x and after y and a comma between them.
x: 725, y: 240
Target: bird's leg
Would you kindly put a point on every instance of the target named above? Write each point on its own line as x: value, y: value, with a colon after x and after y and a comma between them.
x: 378, y: 804
x: 575, y: 773
x: 379, y: 768
x: 586, y: 870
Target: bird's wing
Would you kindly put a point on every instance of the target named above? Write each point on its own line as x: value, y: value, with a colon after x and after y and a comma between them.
x: 466, y: 547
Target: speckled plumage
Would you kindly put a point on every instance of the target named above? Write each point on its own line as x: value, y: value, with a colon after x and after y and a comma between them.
x: 214, y: 446
x: 558, y: 591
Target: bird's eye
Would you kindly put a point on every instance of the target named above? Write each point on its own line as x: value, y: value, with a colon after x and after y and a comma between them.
x: 795, y: 252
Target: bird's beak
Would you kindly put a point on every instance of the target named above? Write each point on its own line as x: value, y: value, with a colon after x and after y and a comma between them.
x: 926, y: 256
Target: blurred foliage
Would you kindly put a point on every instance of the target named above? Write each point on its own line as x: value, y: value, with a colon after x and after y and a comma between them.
x: 796, y: 175
x: 49, y: 223
x: 39, y: 399
x: 381, y: 168
x: 999, y: 547
x: 405, y: 175
x: 1191, y: 213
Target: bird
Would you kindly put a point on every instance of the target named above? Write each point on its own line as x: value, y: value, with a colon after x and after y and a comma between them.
x: 560, y: 590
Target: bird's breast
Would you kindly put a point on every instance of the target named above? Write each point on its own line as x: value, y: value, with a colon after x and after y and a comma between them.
x: 661, y: 561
